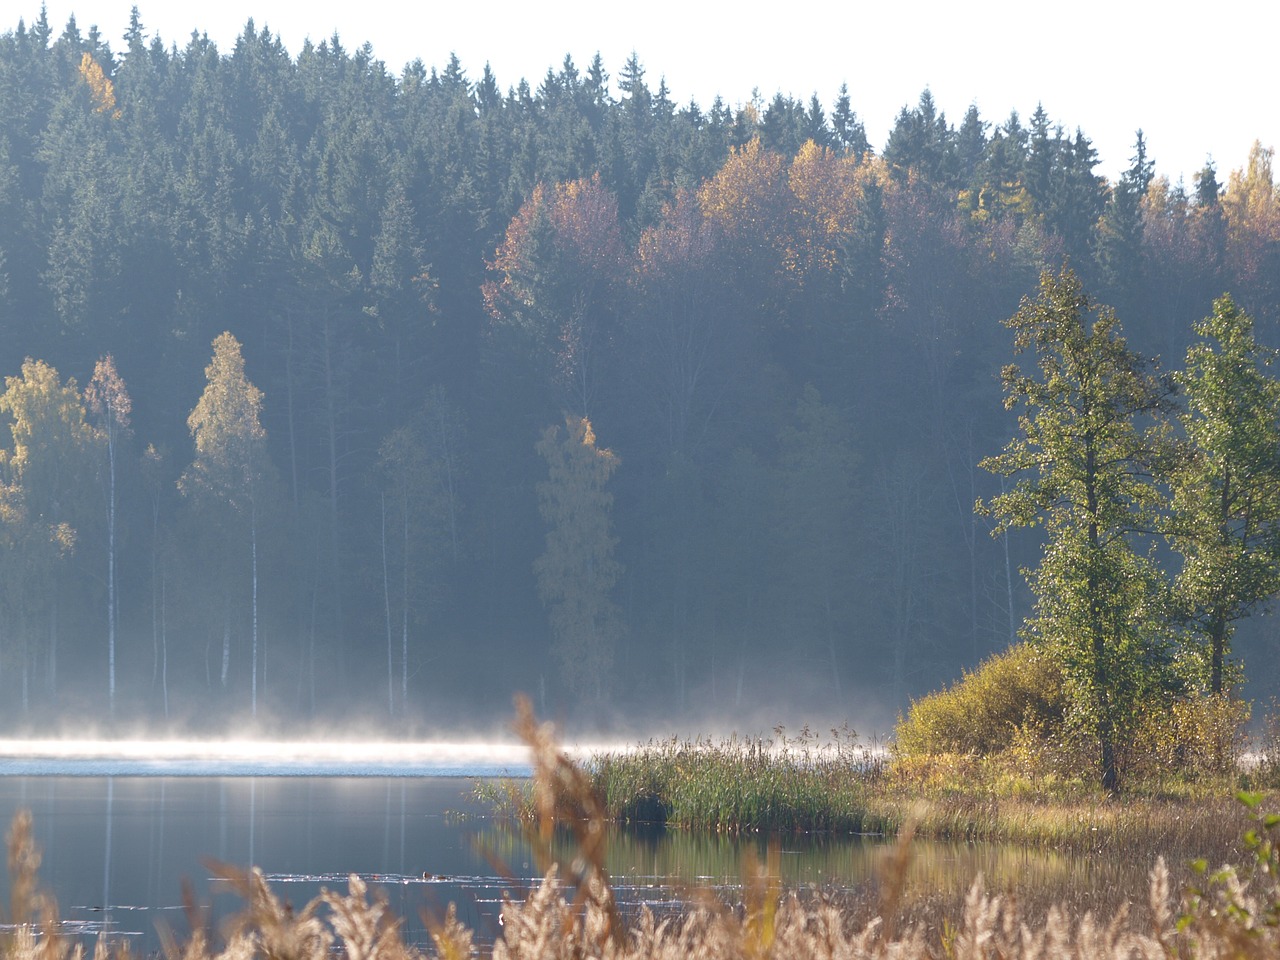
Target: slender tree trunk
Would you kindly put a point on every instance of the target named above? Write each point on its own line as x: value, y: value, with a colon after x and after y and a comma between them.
x: 1217, y: 652
x: 253, y: 550
x: 404, y: 605
x: 226, y: 640
x: 1105, y: 723
x: 53, y: 643
x: 331, y: 423
x: 289, y: 417
x: 155, y: 607
x: 111, y: 568
x: 164, y: 648
x: 1008, y: 580
x: 386, y: 604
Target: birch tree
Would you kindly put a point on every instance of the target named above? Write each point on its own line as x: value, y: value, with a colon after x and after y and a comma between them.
x: 231, y: 468
x: 108, y: 402
x: 45, y: 475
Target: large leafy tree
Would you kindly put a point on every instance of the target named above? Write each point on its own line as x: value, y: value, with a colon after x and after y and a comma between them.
x: 1226, y: 491
x: 1089, y: 443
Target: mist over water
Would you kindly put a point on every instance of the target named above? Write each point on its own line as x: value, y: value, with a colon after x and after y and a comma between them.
x: 248, y: 758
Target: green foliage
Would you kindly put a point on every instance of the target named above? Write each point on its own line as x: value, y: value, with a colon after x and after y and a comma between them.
x: 1235, y: 910
x: 1226, y: 489
x: 1086, y: 459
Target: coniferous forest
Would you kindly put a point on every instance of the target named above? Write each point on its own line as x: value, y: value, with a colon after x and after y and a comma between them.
x: 339, y: 391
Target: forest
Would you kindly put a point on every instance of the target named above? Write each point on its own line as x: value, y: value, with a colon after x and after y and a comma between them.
x: 334, y: 392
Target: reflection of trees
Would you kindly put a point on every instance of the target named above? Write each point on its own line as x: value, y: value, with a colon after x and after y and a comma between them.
x: 939, y: 875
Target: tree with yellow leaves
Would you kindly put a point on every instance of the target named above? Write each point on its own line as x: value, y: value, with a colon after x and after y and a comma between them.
x: 43, y: 480
x: 231, y: 473
x: 1251, y: 205
x: 100, y: 87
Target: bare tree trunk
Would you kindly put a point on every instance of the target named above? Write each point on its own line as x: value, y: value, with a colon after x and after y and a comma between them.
x: 404, y: 608
x: 111, y: 570
x: 164, y: 649
x: 331, y: 422
x: 386, y: 603
x: 226, y: 640
x: 253, y: 549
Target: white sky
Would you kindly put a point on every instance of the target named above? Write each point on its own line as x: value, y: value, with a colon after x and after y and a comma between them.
x: 1196, y: 82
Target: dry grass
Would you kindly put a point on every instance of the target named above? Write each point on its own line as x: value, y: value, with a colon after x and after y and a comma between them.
x: 1232, y: 912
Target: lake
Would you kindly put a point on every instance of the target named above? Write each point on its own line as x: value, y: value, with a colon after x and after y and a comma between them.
x: 118, y: 847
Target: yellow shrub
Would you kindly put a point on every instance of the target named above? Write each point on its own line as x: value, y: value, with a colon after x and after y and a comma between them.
x: 1020, y: 688
x: 1197, y: 737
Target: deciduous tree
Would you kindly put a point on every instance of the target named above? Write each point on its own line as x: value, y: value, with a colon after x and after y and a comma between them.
x: 231, y: 470
x: 1086, y: 455
x: 46, y: 474
x: 1226, y: 491
x: 108, y: 402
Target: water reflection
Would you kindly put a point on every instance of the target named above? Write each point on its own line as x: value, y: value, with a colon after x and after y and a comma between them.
x: 116, y: 851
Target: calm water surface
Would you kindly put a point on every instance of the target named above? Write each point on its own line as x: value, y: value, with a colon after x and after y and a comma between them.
x: 117, y: 850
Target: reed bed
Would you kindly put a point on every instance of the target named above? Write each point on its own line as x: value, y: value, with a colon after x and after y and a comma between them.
x: 742, y: 785
x: 780, y: 786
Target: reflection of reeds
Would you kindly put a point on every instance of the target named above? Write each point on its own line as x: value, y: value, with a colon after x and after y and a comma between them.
x: 1230, y: 913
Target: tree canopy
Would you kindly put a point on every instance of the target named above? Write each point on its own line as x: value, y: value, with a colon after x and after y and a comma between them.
x: 786, y: 327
